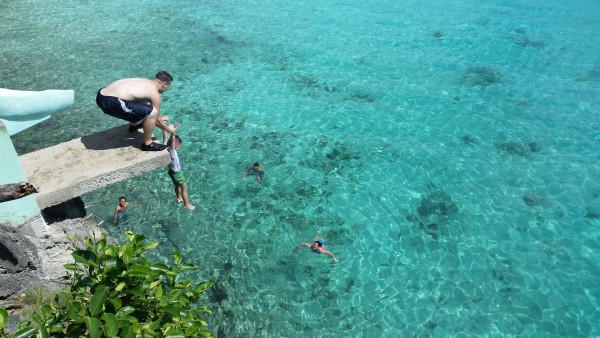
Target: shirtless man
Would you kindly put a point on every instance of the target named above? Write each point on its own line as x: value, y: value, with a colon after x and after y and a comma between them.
x: 138, y: 101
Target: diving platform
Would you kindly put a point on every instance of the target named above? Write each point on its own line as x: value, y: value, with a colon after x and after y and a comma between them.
x: 71, y: 169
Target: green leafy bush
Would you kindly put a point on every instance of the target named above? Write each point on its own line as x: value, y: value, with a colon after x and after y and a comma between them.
x: 117, y: 292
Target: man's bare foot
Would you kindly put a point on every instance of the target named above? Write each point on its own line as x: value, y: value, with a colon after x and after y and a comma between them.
x: 179, y: 200
x: 189, y: 207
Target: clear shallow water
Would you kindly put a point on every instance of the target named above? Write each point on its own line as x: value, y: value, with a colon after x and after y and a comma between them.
x: 364, y: 119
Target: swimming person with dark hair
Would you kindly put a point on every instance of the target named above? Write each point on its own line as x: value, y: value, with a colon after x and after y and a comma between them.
x: 138, y: 101
x: 121, y: 214
x: 318, y: 246
x: 255, y: 170
x: 181, y: 189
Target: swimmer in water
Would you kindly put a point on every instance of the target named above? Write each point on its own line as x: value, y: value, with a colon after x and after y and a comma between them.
x: 318, y: 246
x: 255, y: 170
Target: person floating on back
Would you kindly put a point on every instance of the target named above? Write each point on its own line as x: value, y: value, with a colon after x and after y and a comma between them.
x: 318, y: 246
x: 181, y: 189
x: 138, y: 101
x: 255, y: 170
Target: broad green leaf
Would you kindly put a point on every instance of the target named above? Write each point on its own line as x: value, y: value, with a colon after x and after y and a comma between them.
x: 85, y: 257
x: 46, y: 310
x: 128, y: 332
x: 139, y: 238
x: 97, y: 301
x: 205, y: 333
x: 200, y: 288
x: 150, y: 327
x: 73, y: 267
x: 24, y: 333
x: 128, y: 254
x: 175, y: 335
x: 155, y: 284
x: 151, y: 246
x: 115, y: 301
x: 3, y: 318
x: 76, y: 312
x: 184, y: 285
x: 111, y: 263
x: 141, y: 270
x: 188, y: 266
x: 58, y: 327
x: 159, y: 292
x: 120, y: 286
x: 43, y: 332
x: 125, y: 311
x: 101, y: 245
x: 172, y: 310
x: 88, y: 241
x: 176, y: 257
x: 111, y: 325
x: 130, y: 235
x: 94, y: 327
x: 159, y: 267
x: 37, y: 318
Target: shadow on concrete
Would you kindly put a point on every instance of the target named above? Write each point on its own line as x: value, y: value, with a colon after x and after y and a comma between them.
x: 117, y: 137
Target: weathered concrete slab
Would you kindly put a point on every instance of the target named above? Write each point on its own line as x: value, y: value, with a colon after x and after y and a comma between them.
x: 73, y: 168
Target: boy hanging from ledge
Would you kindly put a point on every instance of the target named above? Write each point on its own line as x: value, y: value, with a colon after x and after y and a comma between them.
x: 181, y: 190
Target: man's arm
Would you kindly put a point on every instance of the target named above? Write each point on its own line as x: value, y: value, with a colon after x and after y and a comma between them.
x: 155, y: 101
x: 116, y: 213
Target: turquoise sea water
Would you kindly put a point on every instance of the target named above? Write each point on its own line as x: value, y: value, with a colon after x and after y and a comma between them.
x: 447, y: 151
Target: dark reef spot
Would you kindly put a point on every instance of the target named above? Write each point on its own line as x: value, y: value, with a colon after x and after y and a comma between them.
x: 519, y: 148
x: 532, y: 201
x: 412, y: 218
x: 431, y: 324
x: 592, y: 75
x: 469, y: 139
x: 218, y: 294
x: 438, y: 35
x: 481, y: 76
x: 363, y: 97
x: 228, y: 266
x: 530, y: 43
x: 593, y: 210
x: 439, y: 203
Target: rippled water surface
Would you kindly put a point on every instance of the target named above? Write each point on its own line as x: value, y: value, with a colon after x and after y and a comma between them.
x: 447, y: 151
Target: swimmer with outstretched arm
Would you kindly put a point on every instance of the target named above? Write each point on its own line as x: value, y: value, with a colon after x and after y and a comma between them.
x: 318, y: 246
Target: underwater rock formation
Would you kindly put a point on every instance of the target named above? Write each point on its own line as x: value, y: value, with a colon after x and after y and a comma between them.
x: 532, y: 200
x: 519, y: 148
x: 592, y: 75
x: 481, y: 76
x: 469, y: 139
x: 530, y: 43
x: 593, y: 210
x: 437, y: 203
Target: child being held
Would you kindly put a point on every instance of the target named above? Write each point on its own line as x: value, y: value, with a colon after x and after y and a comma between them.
x: 181, y: 190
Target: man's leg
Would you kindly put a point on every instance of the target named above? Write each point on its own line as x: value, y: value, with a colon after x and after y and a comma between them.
x: 148, y: 126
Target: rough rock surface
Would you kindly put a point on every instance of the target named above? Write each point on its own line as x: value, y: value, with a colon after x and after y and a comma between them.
x: 27, y: 262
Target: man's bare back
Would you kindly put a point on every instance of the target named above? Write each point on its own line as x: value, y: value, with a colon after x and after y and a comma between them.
x: 136, y: 89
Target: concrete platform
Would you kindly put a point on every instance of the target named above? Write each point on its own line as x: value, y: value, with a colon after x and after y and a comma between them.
x: 73, y: 168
